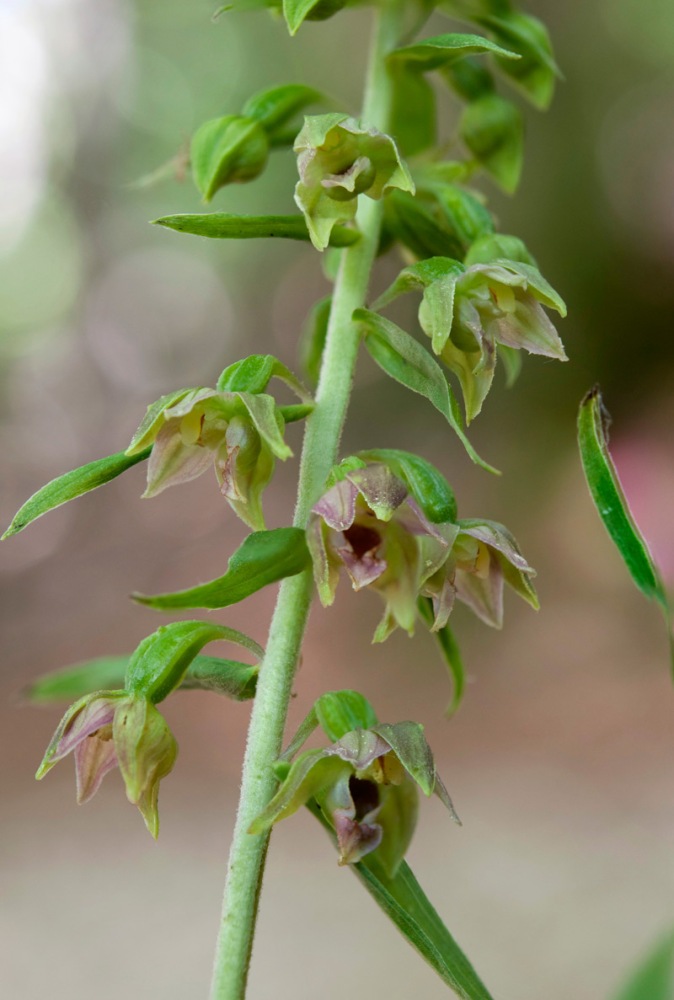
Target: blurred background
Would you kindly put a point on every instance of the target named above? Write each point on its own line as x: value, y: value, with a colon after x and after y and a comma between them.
x: 560, y: 761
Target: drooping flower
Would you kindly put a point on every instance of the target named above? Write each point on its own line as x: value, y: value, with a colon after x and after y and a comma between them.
x: 239, y: 433
x: 338, y: 158
x: 369, y: 523
x: 498, y: 304
x: 110, y: 729
x: 483, y: 558
x: 366, y: 786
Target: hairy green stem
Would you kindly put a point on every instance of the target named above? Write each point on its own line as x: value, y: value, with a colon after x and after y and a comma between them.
x: 321, y: 443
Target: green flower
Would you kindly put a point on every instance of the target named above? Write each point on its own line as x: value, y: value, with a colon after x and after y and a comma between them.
x: 366, y: 785
x: 240, y: 434
x: 110, y: 729
x: 338, y: 159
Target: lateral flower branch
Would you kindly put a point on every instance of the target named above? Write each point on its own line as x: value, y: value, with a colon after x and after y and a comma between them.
x: 370, y: 182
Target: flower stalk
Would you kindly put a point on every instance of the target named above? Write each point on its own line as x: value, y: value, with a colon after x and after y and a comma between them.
x: 321, y: 442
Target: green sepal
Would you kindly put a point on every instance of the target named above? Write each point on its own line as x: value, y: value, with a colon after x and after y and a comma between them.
x: 531, y: 279
x: 296, y: 12
x: 158, y: 665
x: 71, y: 485
x: 609, y: 499
x: 493, y: 130
x: 491, y: 247
x: 413, y: 113
x: 511, y: 359
x: 227, y: 150
x: 311, y: 773
x: 339, y: 472
x: 427, y: 485
x: 410, y: 746
x: 314, y: 335
x: 264, y: 557
x: 467, y: 217
x: 274, y: 107
x: 406, y: 361
x: 443, y: 50
x: 404, y: 902
x: 205, y: 673
x: 450, y: 652
x: 223, y: 226
x: 268, y: 422
x: 341, y: 712
x: 254, y: 373
x: 437, y: 278
x: 653, y: 979
x: 153, y: 420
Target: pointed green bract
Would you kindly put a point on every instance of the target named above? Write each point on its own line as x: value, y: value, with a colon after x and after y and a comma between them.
x: 450, y: 652
x: 71, y: 485
x: 609, y: 499
x: 314, y: 335
x: 404, y: 902
x: 443, y: 50
x: 160, y: 662
x: 263, y: 558
x: 492, y: 247
x: 536, y: 73
x: 406, y: 361
x: 224, y: 226
x: 413, y: 118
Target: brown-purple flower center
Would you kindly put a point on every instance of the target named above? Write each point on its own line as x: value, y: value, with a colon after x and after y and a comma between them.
x: 362, y: 539
x: 365, y: 795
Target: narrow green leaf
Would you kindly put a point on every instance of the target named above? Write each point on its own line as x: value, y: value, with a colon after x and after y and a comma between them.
x: 263, y: 558
x: 427, y: 485
x: 71, y: 485
x: 276, y: 106
x: 414, y: 223
x: 341, y: 712
x: 443, y: 50
x: 297, y: 411
x: 654, y: 977
x: 205, y: 673
x: 609, y: 499
x: 404, y: 902
x: 406, y: 361
x: 223, y: 226
x: 158, y: 665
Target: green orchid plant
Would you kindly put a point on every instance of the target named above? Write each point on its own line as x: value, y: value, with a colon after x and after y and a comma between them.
x: 372, y: 182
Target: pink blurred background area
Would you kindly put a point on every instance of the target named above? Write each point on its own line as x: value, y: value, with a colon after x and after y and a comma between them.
x: 560, y: 760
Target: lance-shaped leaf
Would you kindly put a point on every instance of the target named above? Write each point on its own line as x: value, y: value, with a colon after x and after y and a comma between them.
x: 443, y: 50
x: 224, y: 226
x: 404, y: 902
x: 493, y: 130
x: 406, y: 361
x: 71, y: 485
x: 205, y: 673
x: 429, y: 487
x: 451, y: 654
x: 653, y: 979
x: 160, y: 662
x: 254, y: 373
x: 274, y: 107
x: 609, y: 499
x: 263, y: 558
x: 227, y: 150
